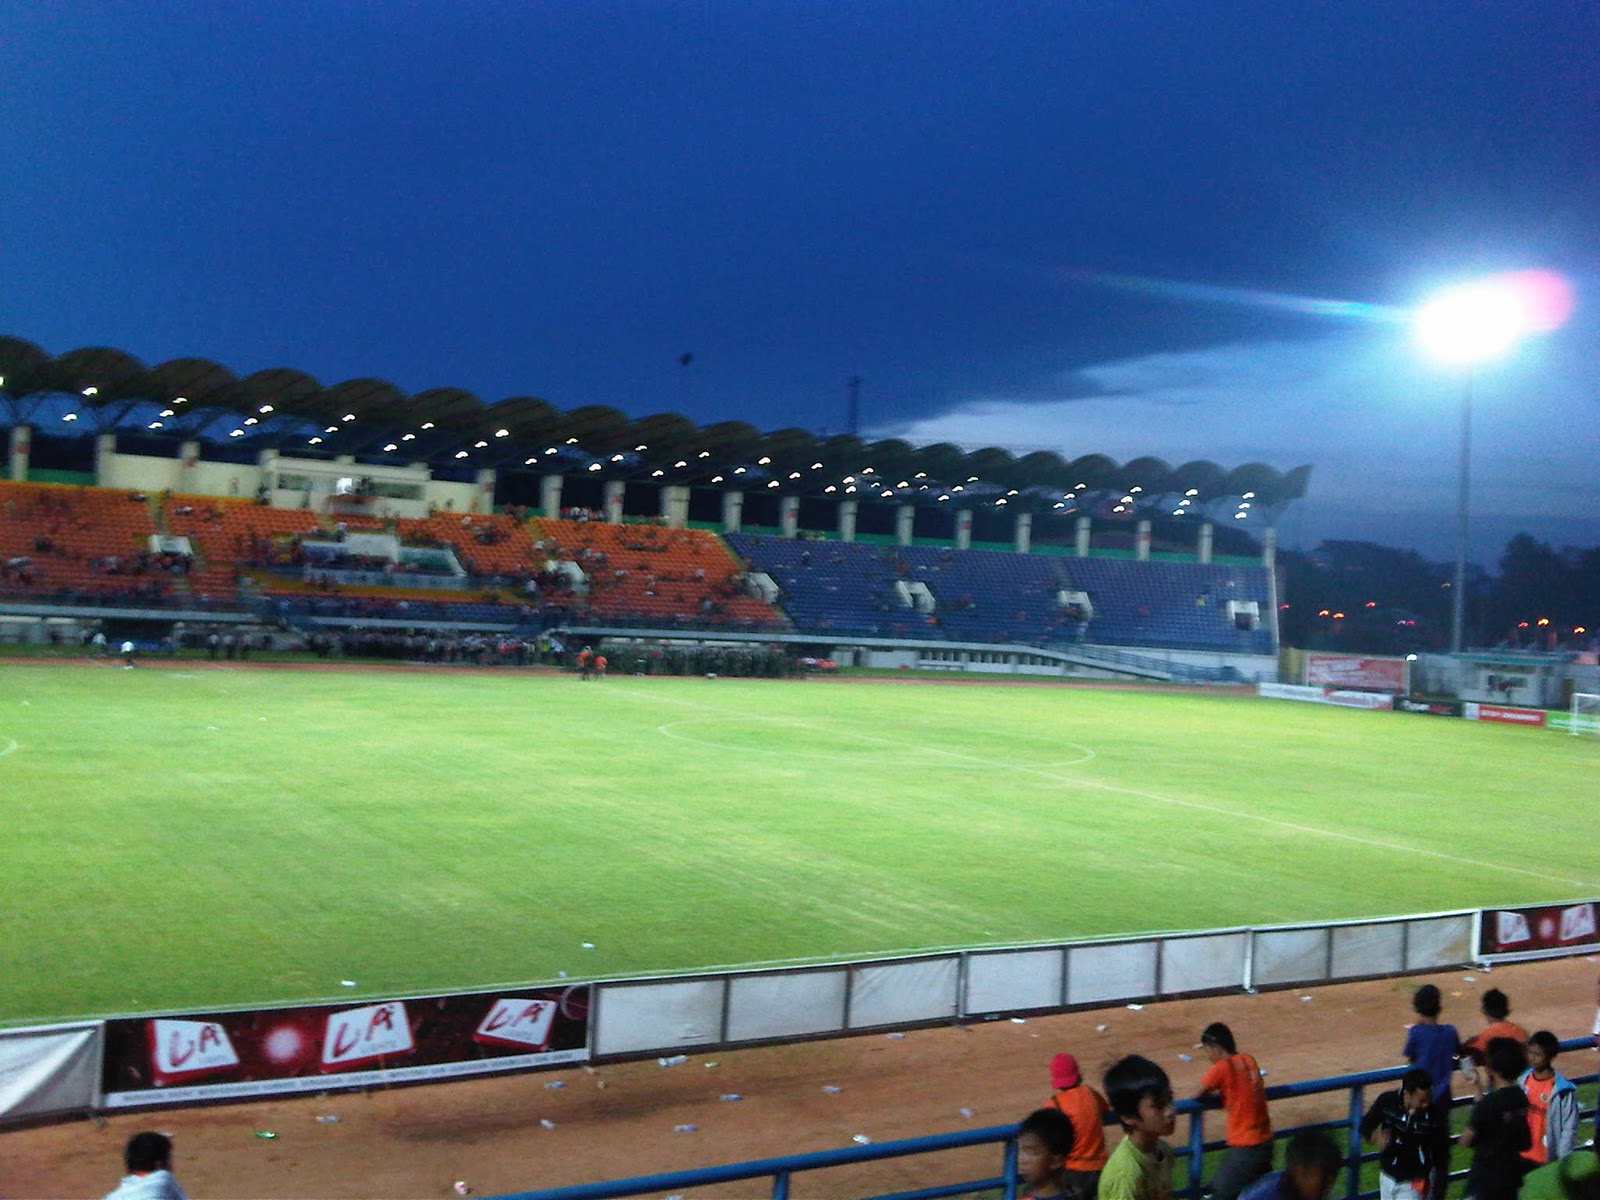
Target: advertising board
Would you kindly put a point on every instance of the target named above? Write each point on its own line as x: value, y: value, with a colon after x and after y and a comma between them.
x: 1545, y: 929
x: 1355, y: 671
x: 197, y: 1057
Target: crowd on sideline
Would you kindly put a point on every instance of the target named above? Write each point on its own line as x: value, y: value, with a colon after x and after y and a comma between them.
x: 1521, y: 1133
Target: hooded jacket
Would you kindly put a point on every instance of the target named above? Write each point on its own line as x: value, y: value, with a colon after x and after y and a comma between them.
x: 1561, y: 1121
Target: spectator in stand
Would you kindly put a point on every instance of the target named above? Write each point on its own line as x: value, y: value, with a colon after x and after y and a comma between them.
x: 149, y: 1160
x: 1086, y: 1109
x: 1311, y: 1165
x: 1497, y: 1008
x: 1497, y: 1130
x: 1434, y: 1047
x: 1552, y: 1102
x: 1140, y: 1168
x: 1237, y: 1078
x: 1402, y: 1125
x: 1043, y: 1141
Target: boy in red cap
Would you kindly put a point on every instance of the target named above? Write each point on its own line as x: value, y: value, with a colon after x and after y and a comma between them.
x: 1086, y: 1109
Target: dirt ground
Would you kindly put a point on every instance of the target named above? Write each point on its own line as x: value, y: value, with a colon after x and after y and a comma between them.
x: 619, y: 1120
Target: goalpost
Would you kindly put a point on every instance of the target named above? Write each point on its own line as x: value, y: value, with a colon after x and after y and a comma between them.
x: 1585, y: 712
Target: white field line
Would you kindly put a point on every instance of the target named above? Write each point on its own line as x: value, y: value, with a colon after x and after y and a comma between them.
x: 1278, y: 822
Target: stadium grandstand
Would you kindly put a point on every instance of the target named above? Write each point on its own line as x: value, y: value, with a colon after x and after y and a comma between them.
x: 184, y: 492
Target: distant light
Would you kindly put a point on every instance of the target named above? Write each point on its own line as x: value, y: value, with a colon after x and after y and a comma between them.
x: 738, y: 470
x: 572, y: 441
x: 91, y: 391
x: 1522, y: 624
x: 1000, y: 501
x: 1543, y: 621
x: 886, y: 493
x: 1118, y: 508
x: 1012, y: 492
x: 851, y: 488
x: 502, y: 433
x: 391, y: 448
x: 641, y: 447
x: 479, y: 445
x: 1177, y: 512
x: 265, y: 408
x: 408, y: 437
x: 70, y: 417
x: 763, y: 461
x: 658, y: 473
x: 1372, y: 604
x: 680, y: 463
x: 704, y: 454
x: 427, y: 425
x: 794, y: 474
x: 251, y: 421
x: 167, y: 412
x: 154, y: 425
x: 553, y: 450
x: 1338, y: 616
x: 772, y: 483
x: 1480, y: 320
x: 1127, y: 499
x: 528, y: 462
x: 331, y: 429
x: 1324, y: 612
x: 180, y: 399
x: 944, y: 497
x: 1061, y: 504
x: 316, y: 441
x: 1184, y: 502
x: 237, y: 433
x: 461, y: 453
x: 830, y: 488
x: 616, y: 458
x: 594, y: 466
x: 1579, y: 629
x: 849, y: 478
x: 714, y: 478
x: 349, y: 417
x: 1192, y: 492
x: 1244, y: 504
x: 1248, y: 496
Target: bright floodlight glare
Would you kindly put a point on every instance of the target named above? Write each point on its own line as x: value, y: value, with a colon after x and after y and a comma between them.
x: 1481, y: 320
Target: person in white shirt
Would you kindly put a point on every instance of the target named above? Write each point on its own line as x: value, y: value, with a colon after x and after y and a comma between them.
x: 127, y: 654
x: 149, y: 1177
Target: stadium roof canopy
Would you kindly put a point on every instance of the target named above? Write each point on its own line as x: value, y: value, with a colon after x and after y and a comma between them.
x: 105, y: 390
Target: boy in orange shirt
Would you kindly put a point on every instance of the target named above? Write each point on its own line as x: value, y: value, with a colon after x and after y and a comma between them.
x: 1086, y: 1109
x: 1497, y: 1008
x: 1237, y: 1078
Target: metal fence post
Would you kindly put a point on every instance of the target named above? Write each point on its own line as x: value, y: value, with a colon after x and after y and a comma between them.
x: 1353, y: 1145
x: 1008, y: 1169
x: 1197, y: 1152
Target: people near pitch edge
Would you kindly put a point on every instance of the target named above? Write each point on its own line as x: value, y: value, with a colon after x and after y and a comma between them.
x: 1403, y: 1125
x: 1311, y: 1166
x: 1140, y: 1168
x: 1044, y: 1139
x: 1497, y: 1130
x: 585, y: 659
x: 1552, y: 1102
x: 1496, y: 1007
x: 149, y: 1161
x: 1236, y: 1077
x: 1434, y: 1046
x: 1086, y: 1109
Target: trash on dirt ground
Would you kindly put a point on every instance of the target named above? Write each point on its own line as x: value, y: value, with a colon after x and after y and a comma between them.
x: 1305, y: 999
x: 546, y: 1123
x: 461, y: 1187
x: 328, y: 1119
x: 966, y: 1112
x: 1469, y: 979
x: 554, y: 1084
x: 673, y: 1060
x: 833, y: 1089
x: 1019, y: 1020
x: 730, y: 1096
x: 1101, y: 1028
x: 711, y: 1064
x: 265, y: 1135
x: 861, y: 1139
x: 1185, y: 1058
x: 1136, y: 1007
x: 897, y: 1035
x: 683, y: 1128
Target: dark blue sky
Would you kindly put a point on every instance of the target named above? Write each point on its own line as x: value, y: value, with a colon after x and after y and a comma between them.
x: 559, y: 199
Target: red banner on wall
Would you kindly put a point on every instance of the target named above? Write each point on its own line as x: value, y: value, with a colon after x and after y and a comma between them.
x: 1505, y: 714
x: 189, y: 1058
x: 1553, y: 927
x: 1352, y: 671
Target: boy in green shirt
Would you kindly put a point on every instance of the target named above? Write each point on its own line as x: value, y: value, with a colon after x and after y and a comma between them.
x: 1140, y: 1168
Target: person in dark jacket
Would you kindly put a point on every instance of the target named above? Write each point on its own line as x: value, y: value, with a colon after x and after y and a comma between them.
x: 1497, y: 1130
x: 1404, y: 1127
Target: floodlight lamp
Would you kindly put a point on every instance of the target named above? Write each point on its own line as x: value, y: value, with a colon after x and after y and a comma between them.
x: 1482, y: 319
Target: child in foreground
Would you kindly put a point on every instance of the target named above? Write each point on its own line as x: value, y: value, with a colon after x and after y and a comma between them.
x: 1552, y: 1102
x: 1311, y: 1166
x: 1140, y: 1168
x: 1043, y: 1142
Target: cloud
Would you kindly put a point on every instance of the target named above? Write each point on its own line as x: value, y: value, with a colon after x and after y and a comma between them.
x: 1381, y: 428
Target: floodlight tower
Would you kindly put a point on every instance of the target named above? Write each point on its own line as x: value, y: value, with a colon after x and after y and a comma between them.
x: 1471, y: 324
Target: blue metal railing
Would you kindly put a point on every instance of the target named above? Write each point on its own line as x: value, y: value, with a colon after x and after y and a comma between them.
x: 782, y: 1169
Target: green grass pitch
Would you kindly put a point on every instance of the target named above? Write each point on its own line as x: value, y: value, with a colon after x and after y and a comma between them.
x: 184, y: 836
